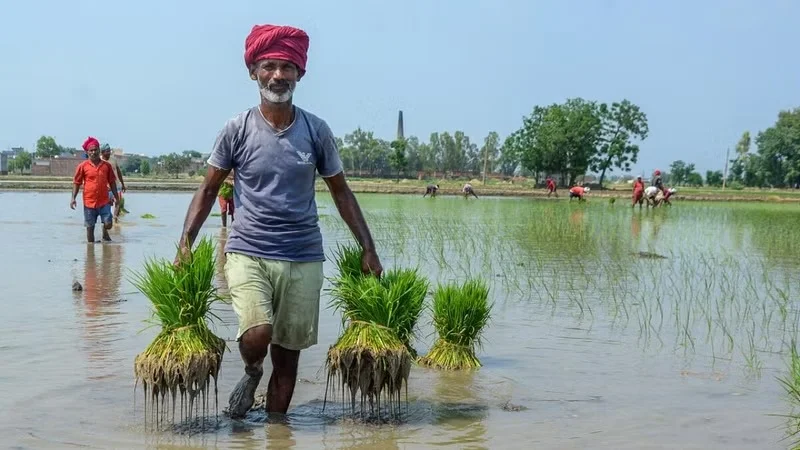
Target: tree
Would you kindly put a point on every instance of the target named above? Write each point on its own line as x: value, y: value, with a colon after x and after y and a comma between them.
x: 489, y: 153
x: 175, y: 163
x: 46, y: 147
x: 144, y: 167
x: 714, y: 178
x: 620, y: 123
x: 398, y: 159
x: 192, y: 154
x: 743, y: 146
x: 779, y: 148
x: 560, y: 138
x: 11, y: 167
x: 694, y: 179
x: 680, y: 172
x: 23, y: 161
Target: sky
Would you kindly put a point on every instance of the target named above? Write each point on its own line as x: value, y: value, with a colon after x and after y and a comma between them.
x: 154, y: 77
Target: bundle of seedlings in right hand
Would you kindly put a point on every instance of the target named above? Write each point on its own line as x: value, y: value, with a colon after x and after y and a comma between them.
x: 372, y: 354
x: 460, y: 313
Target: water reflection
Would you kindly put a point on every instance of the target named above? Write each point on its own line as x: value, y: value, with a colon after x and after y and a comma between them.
x: 99, y: 304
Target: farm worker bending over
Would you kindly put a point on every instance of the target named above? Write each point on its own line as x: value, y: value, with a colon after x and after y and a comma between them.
x: 274, y: 250
x: 650, y: 194
x: 638, y: 192
x: 578, y: 191
x: 431, y: 189
x: 657, y: 181
x: 467, y: 190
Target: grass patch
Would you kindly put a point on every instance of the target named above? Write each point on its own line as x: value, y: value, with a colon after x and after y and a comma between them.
x: 460, y: 313
x: 186, y: 354
x: 148, y: 216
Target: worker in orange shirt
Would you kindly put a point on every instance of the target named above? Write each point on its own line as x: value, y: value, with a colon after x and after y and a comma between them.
x: 638, y: 192
x: 97, y: 177
x: 578, y: 192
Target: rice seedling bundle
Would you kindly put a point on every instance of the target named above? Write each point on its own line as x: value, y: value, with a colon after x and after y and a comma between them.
x: 226, y: 191
x: 373, y: 356
x: 185, y: 354
x: 460, y: 312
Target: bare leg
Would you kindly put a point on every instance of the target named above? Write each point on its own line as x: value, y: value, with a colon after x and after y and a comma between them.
x: 283, y: 379
x: 106, y: 227
x: 90, y: 234
x: 253, y: 347
x: 224, y: 219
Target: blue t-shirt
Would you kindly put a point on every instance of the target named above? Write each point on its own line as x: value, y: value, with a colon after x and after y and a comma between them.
x: 274, y: 174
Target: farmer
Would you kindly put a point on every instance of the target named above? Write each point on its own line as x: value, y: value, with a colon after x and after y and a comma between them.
x: 467, y: 190
x: 650, y: 194
x: 550, y: 185
x: 579, y: 192
x: 105, y: 153
x: 667, y: 195
x: 226, y: 207
x: 431, y: 189
x: 657, y: 182
x: 638, y: 192
x: 274, y: 267
x: 97, y: 177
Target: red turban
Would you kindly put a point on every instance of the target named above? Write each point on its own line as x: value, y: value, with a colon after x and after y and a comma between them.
x: 278, y: 42
x: 88, y: 142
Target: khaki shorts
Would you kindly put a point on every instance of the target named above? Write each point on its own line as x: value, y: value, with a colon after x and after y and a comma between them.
x: 283, y: 294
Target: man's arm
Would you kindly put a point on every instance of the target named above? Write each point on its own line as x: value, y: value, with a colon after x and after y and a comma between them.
x: 350, y: 211
x: 119, y: 175
x: 200, y: 207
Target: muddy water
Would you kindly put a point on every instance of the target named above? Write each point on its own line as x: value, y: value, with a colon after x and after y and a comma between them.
x: 594, y: 342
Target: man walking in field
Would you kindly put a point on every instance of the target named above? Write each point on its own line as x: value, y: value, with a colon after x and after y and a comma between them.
x: 105, y: 153
x: 550, y: 185
x: 274, y: 251
x: 97, y: 177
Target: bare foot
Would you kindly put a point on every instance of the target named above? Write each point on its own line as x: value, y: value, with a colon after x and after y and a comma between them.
x: 244, y: 395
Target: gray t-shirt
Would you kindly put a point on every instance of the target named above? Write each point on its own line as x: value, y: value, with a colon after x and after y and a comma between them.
x: 274, y: 174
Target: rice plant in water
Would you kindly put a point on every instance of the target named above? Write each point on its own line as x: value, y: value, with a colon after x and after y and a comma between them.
x: 185, y: 354
x: 372, y: 355
x: 460, y: 312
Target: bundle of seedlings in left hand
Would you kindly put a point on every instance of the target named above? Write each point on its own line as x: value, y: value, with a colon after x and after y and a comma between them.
x: 372, y: 355
x: 185, y: 354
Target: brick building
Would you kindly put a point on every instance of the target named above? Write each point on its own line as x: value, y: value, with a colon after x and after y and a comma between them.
x: 56, y: 167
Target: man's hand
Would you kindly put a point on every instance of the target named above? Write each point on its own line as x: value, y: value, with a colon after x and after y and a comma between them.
x: 124, y: 189
x: 183, y: 253
x: 73, y: 204
x: 370, y: 263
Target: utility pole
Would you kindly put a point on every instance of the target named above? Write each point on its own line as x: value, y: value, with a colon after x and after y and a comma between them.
x: 485, y: 162
x: 725, y: 175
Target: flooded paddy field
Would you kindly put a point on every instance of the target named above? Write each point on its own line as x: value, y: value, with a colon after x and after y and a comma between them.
x: 611, y: 328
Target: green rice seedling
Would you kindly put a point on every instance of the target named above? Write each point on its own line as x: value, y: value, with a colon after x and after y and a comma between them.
x: 373, y: 354
x: 348, y: 262
x: 185, y: 354
x: 226, y: 191
x: 460, y: 312
x: 148, y: 216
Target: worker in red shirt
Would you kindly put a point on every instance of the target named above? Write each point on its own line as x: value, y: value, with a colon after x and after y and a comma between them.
x: 638, y: 192
x: 579, y: 192
x: 550, y: 185
x: 97, y: 177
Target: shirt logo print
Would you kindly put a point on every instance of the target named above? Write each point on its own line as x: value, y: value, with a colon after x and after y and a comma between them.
x: 304, y: 157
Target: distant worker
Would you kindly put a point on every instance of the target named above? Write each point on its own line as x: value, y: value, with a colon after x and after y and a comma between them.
x: 225, y: 199
x: 550, y: 185
x: 657, y: 182
x: 431, y: 189
x: 578, y: 192
x: 638, y: 192
x: 467, y: 190
x: 650, y: 194
x: 97, y: 177
x: 105, y: 153
x: 665, y: 198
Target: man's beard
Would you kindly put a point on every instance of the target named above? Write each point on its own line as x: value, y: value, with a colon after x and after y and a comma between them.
x: 277, y: 97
